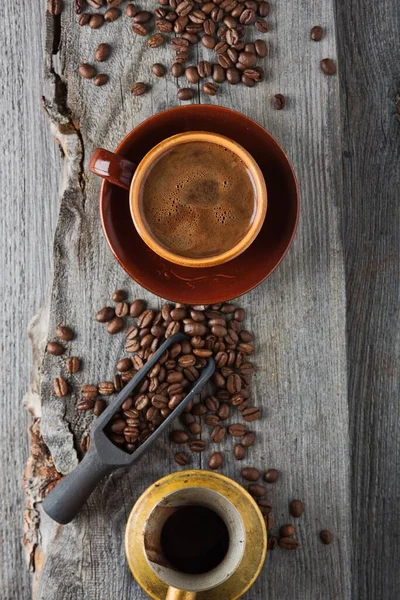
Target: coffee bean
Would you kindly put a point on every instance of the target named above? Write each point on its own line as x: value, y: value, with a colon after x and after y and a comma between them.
x: 139, y: 29
x: 209, y: 27
x: 232, y: 37
x: 239, y: 451
x: 271, y: 476
x: 192, y: 75
x: 250, y: 48
x: 197, y: 16
x: 296, y: 508
x: 288, y: 543
x: 164, y: 26
x: 279, y: 101
x: 247, y: 59
x: 182, y: 459
x: 272, y: 542
x: 215, y: 461
x: 54, y: 7
x: 234, y: 383
x: 210, y: 88
x: 233, y: 54
x: 96, y: 21
x: 245, y: 336
x: 177, y: 70
x: 178, y: 436
x: 218, y: 434
x: 194, y: 428
x: 84, y: 19
x: 187, y: 360
x: 112, y: 14
x: 199, y: 409
x: 208, y: 41
x: 246, y: 349
x: 217, y: 14
x: 137, y: 307
x: 197, y: 445
x: 237, y: 430
x: 96, y: 4
x: 84, y: 405
x: 251, y: 474
x: 269, y: 521
x: 317, y: 33
x: 224, y: 411
x: 184, y: 8
x: 115, y: 325
x: 229, y: 5
x: 248, y: 17
x: 326, y: 536
x: 55, y: 348
x: 86, y: 71
x: 155, y: 40
x: 185, y: 94
x: 257, y: 490
x: 192, y: 38
x: 60, y: 387
x: 89, y: 391
x: 130, y: 10
x: 211, y: 420
x: 251, y: 414
x: 328, y: 66
x: 264, y: 505
x: 287, y: 530
x: 218, y: 74
x: 208, y: 7
x: 103, y: 51
x: 106, y: 388
x: 262, y: 25
x: 194, y: 328
x: 105, y: 314
x: 99, y: 407
x: 233, y: 76
x: 113, y: 3
x: 72, y: 364
x: 142, y: 17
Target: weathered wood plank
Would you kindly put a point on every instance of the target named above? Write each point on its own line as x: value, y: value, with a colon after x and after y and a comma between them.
x: 370, y: 57
x: 298, y: 316
x: 29, y: 176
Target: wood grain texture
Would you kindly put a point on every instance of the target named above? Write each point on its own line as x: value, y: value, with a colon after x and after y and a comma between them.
x: 371, y: 217
x: 298, y: 316
x: 29, y: 175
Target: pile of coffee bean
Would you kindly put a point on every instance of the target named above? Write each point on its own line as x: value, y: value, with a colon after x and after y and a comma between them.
x: 215, y: 330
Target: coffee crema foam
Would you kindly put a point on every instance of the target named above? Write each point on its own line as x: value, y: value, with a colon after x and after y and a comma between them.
x: 198, y: 199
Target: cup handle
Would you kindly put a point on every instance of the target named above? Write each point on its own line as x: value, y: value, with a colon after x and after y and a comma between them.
x: 175, y: 594
x: 112, y: 167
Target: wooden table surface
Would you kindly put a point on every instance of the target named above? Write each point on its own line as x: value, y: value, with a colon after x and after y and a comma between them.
x: 326, y: 322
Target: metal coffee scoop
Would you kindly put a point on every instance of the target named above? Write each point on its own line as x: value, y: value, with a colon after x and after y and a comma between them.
x: 103, y: 456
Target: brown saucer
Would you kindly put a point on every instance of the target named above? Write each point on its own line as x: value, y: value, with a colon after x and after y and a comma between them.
x: 231, y: 279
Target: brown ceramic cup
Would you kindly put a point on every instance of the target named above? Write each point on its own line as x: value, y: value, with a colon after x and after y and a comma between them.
x: 116, y: 169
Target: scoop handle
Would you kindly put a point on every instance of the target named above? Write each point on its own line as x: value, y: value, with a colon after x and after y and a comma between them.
x: 67, y: 498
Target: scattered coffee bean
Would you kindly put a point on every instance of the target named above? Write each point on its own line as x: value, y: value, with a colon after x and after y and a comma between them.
x: 248, y: 439
x: 119, y: 296
x: 182, y: 459
x: 72, y: 364
x: 112, y: 14
x: 210, y: 88
x: 87, y: 71
x: 89, y: 391
x: 99, y: 407
x: 257, y: 490
x: 139, y: 29
x: 96, y: 21
x: 177, y: 70
x: 55, y: 348
x: 84, y: 19
x: 115, y: 325
x: 208, y: 41
x: 262, y: 25
x: 101, y: 79
x: 326, y: 536
x: 106, y: 388
x: 269, y: 521
x: 96, y: 4
x: 287, y: 530
x: 218, y: 74
x: 328, y: 66
x: 215, y: 461
x: 211, y: 420
x: 237, y: 430
x: 60, y: 387
x: 54, y: 7
x: 279, y: 101
x: 178, y: 436
x: 250, y: 474
x: 192, y: 75
x: 272, y: 542
x: 138, y: 88
x: 296, y: 508
x: 271, y: 476
x: 288, y: 543
x: 265, y: 506
x: 155, y: 40
x: 158, y: 70
x: 103, y: 51
x: 131, y: 10
x: 197, y: 445
x: 239, y: 452
x: 143, y: 16
x: 233, y: 75
x: 137, y: 307
x: 84, y: 443
x: 185, y: 94
x: 317, y: 33
x: 251, y: 414
x: 105, y: 315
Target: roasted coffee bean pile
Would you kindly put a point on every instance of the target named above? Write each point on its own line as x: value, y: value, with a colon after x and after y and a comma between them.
x: 216, y: 331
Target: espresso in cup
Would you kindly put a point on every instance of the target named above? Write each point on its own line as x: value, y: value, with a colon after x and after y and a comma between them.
x: 198, y: 199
